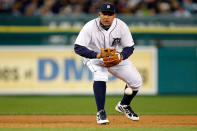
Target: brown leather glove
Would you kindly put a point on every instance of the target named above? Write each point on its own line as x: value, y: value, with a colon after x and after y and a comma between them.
x: 110, y: 57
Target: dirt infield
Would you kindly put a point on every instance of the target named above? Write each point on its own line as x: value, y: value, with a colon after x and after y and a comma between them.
x: 48, y: 121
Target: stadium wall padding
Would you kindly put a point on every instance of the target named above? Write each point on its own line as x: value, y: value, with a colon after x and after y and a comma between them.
x: 177, y: 70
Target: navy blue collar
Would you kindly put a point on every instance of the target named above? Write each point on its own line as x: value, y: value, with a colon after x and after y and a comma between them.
x: 105, y: 27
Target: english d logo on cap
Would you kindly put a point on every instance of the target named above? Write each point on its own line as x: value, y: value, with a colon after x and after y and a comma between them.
x: 107, y: 7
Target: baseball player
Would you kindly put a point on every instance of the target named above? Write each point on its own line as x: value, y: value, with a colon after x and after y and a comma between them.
x: 103, y: 35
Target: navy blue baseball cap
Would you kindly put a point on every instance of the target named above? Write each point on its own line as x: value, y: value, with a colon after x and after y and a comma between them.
x: 107, y: 7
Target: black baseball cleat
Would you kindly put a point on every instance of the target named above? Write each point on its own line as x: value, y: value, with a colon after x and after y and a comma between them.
x: 126, y: 109
x: 101, y: 117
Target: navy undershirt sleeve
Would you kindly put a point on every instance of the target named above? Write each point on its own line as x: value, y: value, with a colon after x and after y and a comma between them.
x: 84, y: 52
x: 127, y: 51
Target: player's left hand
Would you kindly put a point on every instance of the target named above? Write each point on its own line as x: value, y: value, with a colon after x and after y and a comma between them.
x: 110, y: 57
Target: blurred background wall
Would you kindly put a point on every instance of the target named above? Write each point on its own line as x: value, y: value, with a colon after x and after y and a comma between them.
x: 168, y: 25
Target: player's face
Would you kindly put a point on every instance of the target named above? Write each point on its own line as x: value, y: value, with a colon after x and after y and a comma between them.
x: 106, y: 18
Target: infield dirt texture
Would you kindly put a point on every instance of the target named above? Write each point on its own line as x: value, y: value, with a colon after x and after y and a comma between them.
x: 57, y: 121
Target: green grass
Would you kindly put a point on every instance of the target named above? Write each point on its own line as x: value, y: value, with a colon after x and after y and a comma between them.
x: 86, y: 104
x: 103, y: 129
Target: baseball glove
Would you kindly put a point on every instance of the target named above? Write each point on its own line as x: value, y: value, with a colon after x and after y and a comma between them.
x: 110, y: 57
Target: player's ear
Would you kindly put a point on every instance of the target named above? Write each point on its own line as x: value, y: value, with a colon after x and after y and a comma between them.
x: 99, y: 13
x: 114, y: 15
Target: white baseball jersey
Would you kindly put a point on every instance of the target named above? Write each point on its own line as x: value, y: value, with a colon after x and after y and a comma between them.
x: 94, y: 37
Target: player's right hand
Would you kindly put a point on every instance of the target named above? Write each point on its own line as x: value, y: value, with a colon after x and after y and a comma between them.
x: 98, y: 56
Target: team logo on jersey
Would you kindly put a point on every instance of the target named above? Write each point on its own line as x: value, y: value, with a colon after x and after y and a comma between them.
x: 116, y: 41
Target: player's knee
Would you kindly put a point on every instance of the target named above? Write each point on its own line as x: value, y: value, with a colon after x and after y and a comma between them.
x: 136, y: 84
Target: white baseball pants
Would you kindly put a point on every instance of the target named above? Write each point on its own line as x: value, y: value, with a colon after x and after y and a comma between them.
x: 125, y: 71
